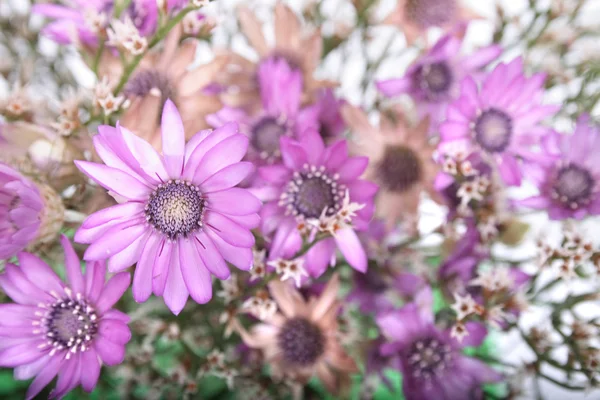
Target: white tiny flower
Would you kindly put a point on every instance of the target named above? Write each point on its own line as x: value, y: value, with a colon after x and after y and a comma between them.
x: 111, y: 104
x: 192, y: 23
x: 463, y: 306
x: 459, y: 331
x: 294, y: 270
x: 125, y: 35
x: 259, y: 268
x: 495, y: 316
x: 230, y: 290
x: 263, y: 309
x: 199, y: 3
x: 64, y: 126
x: 95, y: 21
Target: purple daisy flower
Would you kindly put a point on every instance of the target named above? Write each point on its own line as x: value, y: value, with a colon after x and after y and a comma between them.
x: 21, y: 211
x: 432, y: 363
x: 434, y: 79
x: 309, y: 185
x: 84, y: 18
x: 569, y: 181
x: 180, y: 215
x: 500, y: 117
x: 57, y: 329
x: 281, y: 114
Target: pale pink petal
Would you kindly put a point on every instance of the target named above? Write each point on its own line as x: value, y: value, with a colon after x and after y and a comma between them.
x: 73, y: 267
x: 350, y: 246
x: 196, y: 276
x: 173, y: 140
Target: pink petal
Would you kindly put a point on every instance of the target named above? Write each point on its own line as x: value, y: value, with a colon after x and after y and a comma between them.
x: 114, y: 241
x: 20, y: 354
x: 293, y: 154
x: 38, y: 271
x: 27, y: 371
x: 94, y: 279
x: 115, y: 180
x: 238, y: 256
x: 113, y: 291
x: 229, y: 231
x: 234, y: 201
x: 196, y: 276
x: 142, y: 277
x: 116, y: 212
x: 115, y: 331
x: 129, y: 256
x: 211, y: 257
x: 229, y: 151
x: 173, y: 139
x: 161, y: 267
x: 45, y: 376
x: 73, y: 267
x: 110, y: 353
x: 336, y: 155
x: 205, y: 145
x: 228, y: 177
x: 352, y: 168
x: 91, y: 363
x: 393, y: 87
x: 352, y: 249
x: 176, y: 292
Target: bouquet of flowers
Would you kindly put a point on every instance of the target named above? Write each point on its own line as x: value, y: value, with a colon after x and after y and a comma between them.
x: 337, y: 199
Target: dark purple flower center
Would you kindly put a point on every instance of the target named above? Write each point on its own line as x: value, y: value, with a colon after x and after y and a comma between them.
x: 373, y: 280
x: 399, y: 169
x: 176, y: 209
x: 151, y: 80
x: 301, y: 342
x: 573, y: 186
x: 493, y: 130
x: 428, y: 357
x: 434, y: 80
x: 428, y: 13
x: 71, y: 325
x: 311, y: 192
x: 265, y: 136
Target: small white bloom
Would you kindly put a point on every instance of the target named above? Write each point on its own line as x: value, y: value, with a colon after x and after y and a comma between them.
x: 290, y: 269
x: 459, y: 331
x: 261, y: 308
x: 495, y: 316
x: 259, y: 268
x: 199, y: 3
x: 125, y: 35
x: 463, y: 306
x: 111, y: 104
x: 192, y: 23
x: 230, y: 290
x: 95, y: 21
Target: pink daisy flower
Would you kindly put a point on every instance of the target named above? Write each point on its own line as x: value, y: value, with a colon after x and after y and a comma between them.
x: 21, y: 212
x: 281, y: 114
x: 434, y: 79
x: 501, y: 117
x: 311, y: 186
x: 180, y: 216
x: 569, y: 180
x: 56, y: 329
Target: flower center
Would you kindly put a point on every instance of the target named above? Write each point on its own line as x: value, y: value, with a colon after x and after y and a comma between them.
x: 70, y: 324
x: 434, y: 79
x: 301, y: 342
x: 428, y: 357
x: 149, y: 80
x: 311, y: 192
x: 573, y: 186
x: 399, y: 169
x: 265, y: 137
x: 428, y: 13
x: 493, y: 130
x: 176, y: 208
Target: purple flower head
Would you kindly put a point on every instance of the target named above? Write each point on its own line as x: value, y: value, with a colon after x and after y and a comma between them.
x: 81, y: 20
x: 311, y: 185
x: 434, y: 79
x: 499, y: 118
x: 569, y: 181
x: 432, y: 363
x: 281, y: 114
x: 181, y: 216
x: 21, y: 211
x: 57, y: 329
x: 370, y: 290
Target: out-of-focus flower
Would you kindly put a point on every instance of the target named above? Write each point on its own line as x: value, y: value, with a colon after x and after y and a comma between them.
x: 17, y: 105
x: 300, y: 341
x: 569, y: 182
x: 180, y: 215
x: 57, y: 329
x: 281, y: 115
x: 311, y: 185
x: 434, y: 79
x: 331, y: 122
x: 415, y: 17
x: 30, y: 213
x: 84, y: 21
x: 430, y: 360
x: 501, y: 118
x: 165, y: 75
x: 302, y: 52
x: 401, y: 162
x: 125, y: 36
